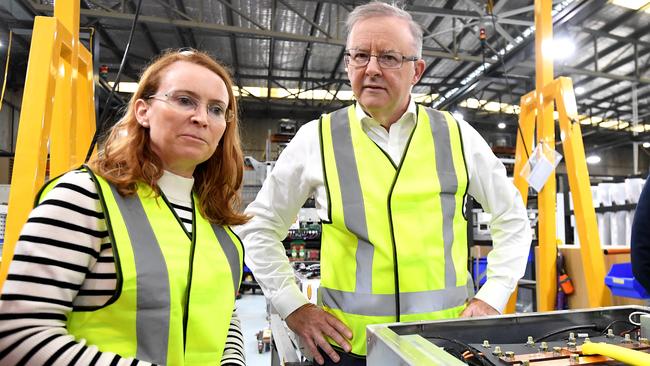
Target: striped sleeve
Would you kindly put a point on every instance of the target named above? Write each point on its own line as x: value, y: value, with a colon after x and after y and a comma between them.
x: 233, y: 353
x: 58, y: 247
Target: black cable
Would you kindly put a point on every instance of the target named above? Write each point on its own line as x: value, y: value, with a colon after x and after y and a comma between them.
x: 477, y: 355
x: 564, y: 330
x: 617, y: 321
x: 102, y: 122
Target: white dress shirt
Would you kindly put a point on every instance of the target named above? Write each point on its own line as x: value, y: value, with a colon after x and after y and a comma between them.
x: 298, y: 174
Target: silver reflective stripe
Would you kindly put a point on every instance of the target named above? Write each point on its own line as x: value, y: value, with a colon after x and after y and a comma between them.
x: 384, y: 304
x: 353, y: 206
x: 152, y: 319
x: 230, y: 250
x: 448, y: 187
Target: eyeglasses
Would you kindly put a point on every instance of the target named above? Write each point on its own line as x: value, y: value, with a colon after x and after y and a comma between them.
x: 386, y: 60
x: 186, y: 103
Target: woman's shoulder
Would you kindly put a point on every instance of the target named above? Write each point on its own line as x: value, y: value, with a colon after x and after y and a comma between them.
x: 79, y: 181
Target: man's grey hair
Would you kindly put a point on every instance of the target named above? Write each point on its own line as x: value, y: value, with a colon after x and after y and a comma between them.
x: 376, y: 9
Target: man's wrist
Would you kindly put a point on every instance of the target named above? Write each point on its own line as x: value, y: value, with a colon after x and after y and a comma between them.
x: 288, y: 300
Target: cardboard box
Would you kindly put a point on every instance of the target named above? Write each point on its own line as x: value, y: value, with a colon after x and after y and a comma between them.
x: 574, y: 268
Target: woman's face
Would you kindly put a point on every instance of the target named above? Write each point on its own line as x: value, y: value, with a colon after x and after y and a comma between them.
x: 186, y: 117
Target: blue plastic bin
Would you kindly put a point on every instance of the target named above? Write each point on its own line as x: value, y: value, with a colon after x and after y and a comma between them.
x: 621, y: 282
x: 479, y: 270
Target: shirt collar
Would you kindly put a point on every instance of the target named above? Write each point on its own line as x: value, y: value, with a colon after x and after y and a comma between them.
x: 366, y: 120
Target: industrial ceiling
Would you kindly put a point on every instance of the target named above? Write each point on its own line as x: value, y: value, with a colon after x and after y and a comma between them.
x: 295, y: 49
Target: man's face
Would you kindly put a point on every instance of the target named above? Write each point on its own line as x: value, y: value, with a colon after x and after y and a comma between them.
x: 383, y: 92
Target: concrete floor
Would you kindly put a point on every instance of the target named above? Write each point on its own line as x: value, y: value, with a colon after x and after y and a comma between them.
x: 251, y: 309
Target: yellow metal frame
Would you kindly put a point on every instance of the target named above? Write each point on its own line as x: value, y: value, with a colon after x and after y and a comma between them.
x: 537, y: 108
x: 58, y: 109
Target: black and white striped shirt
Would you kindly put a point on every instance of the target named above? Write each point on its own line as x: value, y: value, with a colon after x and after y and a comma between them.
x: 64, y: 261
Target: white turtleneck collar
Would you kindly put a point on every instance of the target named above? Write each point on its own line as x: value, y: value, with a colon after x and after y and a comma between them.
x: 176, y: 188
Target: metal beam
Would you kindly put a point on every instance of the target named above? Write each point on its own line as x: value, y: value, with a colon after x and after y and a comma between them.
x: 576, y: 12
x: 600, y: 33
x: 434, y: 24
x: 525, y: 9
x: 310, y: 79
x: 602, y: 53
x: 233, y: 45
x: 241, y: 14
x: 250, y: 32
x: 271, y: 52
x: 146, y: 31
x: 567, y: 70
x: 189, y: 32
x: 313, y: 24
x: 312, y: 32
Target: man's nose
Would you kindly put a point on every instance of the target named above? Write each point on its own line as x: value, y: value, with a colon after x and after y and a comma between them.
x: 373, y: 68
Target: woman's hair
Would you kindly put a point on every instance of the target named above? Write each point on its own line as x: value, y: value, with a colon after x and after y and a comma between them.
x: 127, y: 157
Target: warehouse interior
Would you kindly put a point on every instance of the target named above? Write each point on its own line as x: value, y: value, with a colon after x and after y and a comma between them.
x: 287, y: 62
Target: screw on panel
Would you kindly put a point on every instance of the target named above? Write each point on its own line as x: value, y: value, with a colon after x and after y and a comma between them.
x: 627, y: 338
x: 572, y: 337
x: 543, y: 347
x: 497, y: 351
x: 486, y: 344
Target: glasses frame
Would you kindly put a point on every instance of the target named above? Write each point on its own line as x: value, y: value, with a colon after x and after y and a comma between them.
x: 166, y: 96
x: 347, y: 56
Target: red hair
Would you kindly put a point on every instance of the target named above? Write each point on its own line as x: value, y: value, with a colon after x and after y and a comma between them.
x: 127, y: 158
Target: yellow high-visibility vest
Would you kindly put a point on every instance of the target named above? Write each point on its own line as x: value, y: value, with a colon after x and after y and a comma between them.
x: 395, y: 228
x: 175, y: 292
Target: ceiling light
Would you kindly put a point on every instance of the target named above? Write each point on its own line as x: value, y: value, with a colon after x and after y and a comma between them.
x: 125, y: 86
x: 646, y: 145
x: 633, y: 4
x: 501, y: 125
x: 637, y: 128
x: 579, y: 90
x: 593, y: 159
x: 558, y: 48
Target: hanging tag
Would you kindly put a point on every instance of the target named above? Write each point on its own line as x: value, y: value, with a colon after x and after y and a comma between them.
x: 540, y: 165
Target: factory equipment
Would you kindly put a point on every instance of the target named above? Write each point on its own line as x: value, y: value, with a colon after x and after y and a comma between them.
x: 542, y: 339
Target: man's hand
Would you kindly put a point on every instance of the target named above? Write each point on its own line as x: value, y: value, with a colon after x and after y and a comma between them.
x: 478, y: 307
x: 312, y: 324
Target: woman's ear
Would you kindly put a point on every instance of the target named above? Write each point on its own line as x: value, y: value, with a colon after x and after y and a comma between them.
x: 141, y: 108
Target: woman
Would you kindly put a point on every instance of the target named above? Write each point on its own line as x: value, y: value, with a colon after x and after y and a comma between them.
x: 130, y: 261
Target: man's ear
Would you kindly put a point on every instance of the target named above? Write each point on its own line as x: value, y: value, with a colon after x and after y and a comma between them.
x: 419, y: 70
x: 140, y: 109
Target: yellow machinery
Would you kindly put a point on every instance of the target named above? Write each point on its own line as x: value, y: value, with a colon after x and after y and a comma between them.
x: 537, y: 112
x: 59, y: 65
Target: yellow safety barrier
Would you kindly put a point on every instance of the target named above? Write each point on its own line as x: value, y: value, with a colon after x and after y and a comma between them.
x: 537, y: 109
x: 58, y: 115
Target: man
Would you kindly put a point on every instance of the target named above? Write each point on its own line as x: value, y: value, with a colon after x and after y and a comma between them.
x: 640, y: 239
x: 389, y: 180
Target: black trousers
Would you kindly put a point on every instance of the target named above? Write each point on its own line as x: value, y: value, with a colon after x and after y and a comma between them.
x: 347, y: 359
